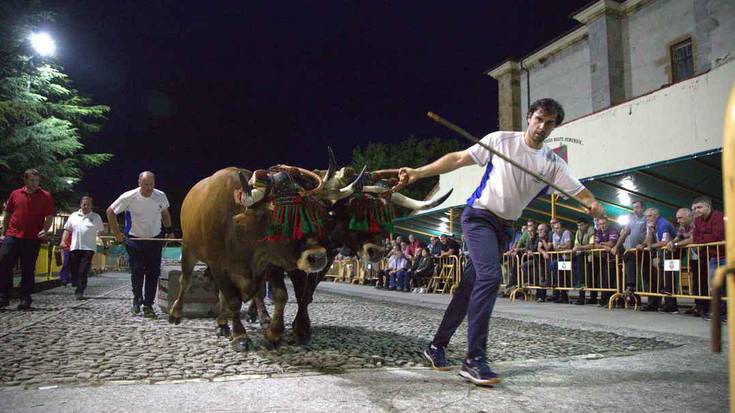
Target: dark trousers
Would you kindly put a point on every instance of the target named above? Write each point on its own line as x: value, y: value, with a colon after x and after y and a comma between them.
x: 419, y: 278
x: 145, y: 268
x: 485, y: 236
x: 12, y: 249
x: 80, y: 261
x: 64, y: 272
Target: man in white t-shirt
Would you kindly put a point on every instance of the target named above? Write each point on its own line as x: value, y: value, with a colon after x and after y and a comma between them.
x: 146, y: 208
x: 504, y: 191
x: 83, y: 225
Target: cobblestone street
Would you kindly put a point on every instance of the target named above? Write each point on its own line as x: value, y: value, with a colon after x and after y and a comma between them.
x: 97, y: 341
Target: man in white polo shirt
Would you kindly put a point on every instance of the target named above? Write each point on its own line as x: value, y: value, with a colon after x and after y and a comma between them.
x: 500, y: 198
x: 83, y: 225
x: 146, y: 208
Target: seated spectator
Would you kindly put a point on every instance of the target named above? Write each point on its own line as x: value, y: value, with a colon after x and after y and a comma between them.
x: 709, y: 226
x: 584, y: 240
x: 528, y: 259
x: 421, y: 270
x: 344, y: 253
x: 449, y: 246
x: 659, y: 232
x: 394, y: 275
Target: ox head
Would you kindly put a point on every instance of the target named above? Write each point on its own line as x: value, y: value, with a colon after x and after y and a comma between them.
x: 361, y: 207
x: 295, y: 215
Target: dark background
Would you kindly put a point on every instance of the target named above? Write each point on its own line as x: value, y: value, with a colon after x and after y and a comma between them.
x: 195, y: 86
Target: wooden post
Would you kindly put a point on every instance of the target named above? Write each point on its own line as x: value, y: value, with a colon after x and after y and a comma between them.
x: 728, y: 190
x: 554, y: 197
x: 451, y: 221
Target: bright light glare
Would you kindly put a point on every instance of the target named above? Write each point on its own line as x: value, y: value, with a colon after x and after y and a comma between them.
x: 623, y: 220
x: 43, y: 44
x: 624, y: 198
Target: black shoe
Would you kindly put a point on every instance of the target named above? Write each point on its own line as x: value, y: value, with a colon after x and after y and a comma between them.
x: 592, y: 301
x: 435, y: 355
x: 25, y: 303
x: 669, y: 309
x: 649, y: 308
x: 579, y: 302
x: 478, y: 372
x: 148, y: 312
x: 136, y: 306
x: 79, y: 296
x: 707, y: 317
x: 692, y: 311
x: 379, y: 287
x: 4, y: 302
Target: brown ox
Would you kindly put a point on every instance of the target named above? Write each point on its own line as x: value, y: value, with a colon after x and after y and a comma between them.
x: 221, y: 232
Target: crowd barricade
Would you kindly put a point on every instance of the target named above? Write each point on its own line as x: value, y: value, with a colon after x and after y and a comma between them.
x: 593, y: 270
x: 343, y: 270
x: 684, y: 272
x: 447, y: 274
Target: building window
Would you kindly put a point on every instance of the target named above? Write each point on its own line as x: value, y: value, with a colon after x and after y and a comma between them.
x: 682, y: 62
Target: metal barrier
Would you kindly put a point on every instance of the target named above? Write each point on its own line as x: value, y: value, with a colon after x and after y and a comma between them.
x: 595, y: 270
x: 681, y: 273
x: 447, y: 274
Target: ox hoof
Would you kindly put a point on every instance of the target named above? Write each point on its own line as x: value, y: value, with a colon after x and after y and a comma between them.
x: 174, y: 320
x: 272, y: 345
x: 224, y: 331
x: 242, y: 344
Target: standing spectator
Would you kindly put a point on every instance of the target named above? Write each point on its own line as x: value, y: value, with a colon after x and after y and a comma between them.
x: 584, y: 240
x: 413, y: 246
x: 603, y: 265
x: 658, y: 234
x: 82, y: 228
x: 561, y: 240
x: 148, y: 208
x: 684, y: 231
x: 709, y: 226
x: 449, y: 246
x: 527, y: 259
x: 28, y: 216
x: 632, y: 238
x: 64, y: 272
x: 541, y: 260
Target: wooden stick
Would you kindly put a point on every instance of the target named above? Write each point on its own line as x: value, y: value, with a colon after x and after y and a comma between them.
x: 463, y: 133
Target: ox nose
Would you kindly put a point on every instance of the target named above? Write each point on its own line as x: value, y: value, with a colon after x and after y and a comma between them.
x: 317, y: 260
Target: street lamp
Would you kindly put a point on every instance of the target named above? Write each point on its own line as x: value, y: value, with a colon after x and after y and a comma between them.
x: 43, y: 44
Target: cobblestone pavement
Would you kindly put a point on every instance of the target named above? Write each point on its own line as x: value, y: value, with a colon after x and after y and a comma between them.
x: 63, y: 341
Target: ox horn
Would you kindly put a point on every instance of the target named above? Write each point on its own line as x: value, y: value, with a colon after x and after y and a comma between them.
x: 356, y: 183
x: 332, y: 165
x: 251, y: 196
x: 414, y: 204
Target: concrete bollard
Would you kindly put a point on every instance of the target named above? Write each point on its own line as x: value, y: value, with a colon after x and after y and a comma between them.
x: 201, y: 299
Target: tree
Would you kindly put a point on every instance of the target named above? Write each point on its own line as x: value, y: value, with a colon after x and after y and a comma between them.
x: 43, y: 119
x: 411, y: 152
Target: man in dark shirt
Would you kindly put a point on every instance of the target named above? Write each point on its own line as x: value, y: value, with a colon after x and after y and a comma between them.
x: 28, y: 217
x: 422, y: 268
x: 449, y: 246
x: 603, y: 265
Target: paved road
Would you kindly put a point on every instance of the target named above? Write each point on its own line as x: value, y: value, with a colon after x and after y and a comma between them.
x: 92, y: 355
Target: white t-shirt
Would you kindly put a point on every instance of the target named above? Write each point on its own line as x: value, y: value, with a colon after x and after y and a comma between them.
x: 84, y: 229
x: 506, y: 190
x: 145, y: 213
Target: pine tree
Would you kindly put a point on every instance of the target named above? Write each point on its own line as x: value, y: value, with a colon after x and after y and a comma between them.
x: 43, y: 119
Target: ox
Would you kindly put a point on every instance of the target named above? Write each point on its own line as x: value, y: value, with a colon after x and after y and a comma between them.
x: 221, y: 228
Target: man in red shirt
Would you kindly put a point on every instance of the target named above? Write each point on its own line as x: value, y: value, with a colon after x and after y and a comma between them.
x: 709, y: 226
x: 28, y: 217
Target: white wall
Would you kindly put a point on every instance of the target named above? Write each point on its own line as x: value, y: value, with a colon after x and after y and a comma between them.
x: 565, y: 76
x: 682, y: 119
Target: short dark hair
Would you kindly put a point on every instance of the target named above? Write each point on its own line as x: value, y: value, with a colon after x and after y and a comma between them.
x: 86, y: 197
x: 548, y: 106
x: 703, y: 200
x: 30, y: 172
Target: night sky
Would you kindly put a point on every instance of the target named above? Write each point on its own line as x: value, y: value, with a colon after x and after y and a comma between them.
x: 195, y: 86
